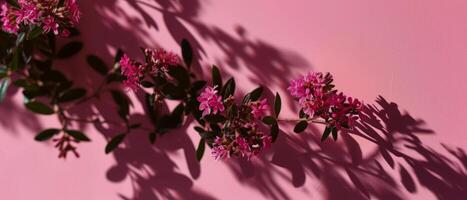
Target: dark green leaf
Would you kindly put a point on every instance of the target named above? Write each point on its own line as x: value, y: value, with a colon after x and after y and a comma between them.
x: 196, y: 86
x: 277, y: 105
x: 60, y: 3
x: 181, y: 75
x: 46, y: 134
x: 269, y: 120
x: 216, y: 78
x: 4, y: 83
x: 35, y: 32
x: 334, y: 133
x: 70, y: 49
x: 147, y: 84
x: 20, y: 38
x: 118, y: 56
x: 97, y: 64
x: 39, y: 108
x: 326, y: 133
x: 13, y: 3
x: 78, y: 135
x: 114, y: 142
x: 173, y: 92
x: 21, y: 83
x: 123, y: 103
x: 135, y: 126
x: 229, y: 88
x: 200, y: 150
x: 215, y: 118
x: 15, y: 60
x: 301, y: 126
x: 256, y: 93
x: 274, y: 131
x: 152, y: 137
x: 187, y: 52
x: 150, y: 106
x: 72, y: 95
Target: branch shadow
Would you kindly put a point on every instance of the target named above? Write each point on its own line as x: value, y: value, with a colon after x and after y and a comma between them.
x: 344, y: 173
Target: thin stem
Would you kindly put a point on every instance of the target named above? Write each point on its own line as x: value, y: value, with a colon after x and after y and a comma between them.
x: 312, y: 120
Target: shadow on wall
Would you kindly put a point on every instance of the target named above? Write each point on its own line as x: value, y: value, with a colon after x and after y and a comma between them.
x: 154, y: 173
x: 396, y: 136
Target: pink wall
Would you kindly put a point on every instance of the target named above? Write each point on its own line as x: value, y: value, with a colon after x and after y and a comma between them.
x: 413, y: 53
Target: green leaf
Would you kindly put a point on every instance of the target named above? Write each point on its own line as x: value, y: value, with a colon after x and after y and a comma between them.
x: 21, y: 83
x: 229, y: 89
x: 35, y: 32
x: 39, y: 108
x: 72, y: 95
x: 274, y: 131
x: 123, y: 103
x: 152, y: 137
x: 256, y: 93
x: 78, y: 135
x: 269, y: 120
x: 114, y: 142
x: 301, y: 126
x: 4, y: 83
x: 135, y: 126
x: 70, y: 49
x: 147, y: 84
x: 277, y: 105
x: 15, y: 60
x: 13, y: 3
x: 326, y: 133
x: 20, y: 38
x: 217, y: 118
x: 118, y: 55
x: 253, y: 95
x: 46, y: 134
x: 200, y: 150
x: 187, y: 52
x: 97, y: 64
x: 216, y: 78
x: 181, y: 75
x: 334, y: 133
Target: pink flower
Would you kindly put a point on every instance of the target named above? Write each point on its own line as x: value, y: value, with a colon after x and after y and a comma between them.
x: 50, y: 25
x: 160, y: 60
x: 219, y: 151
x: 243, y: 147
x: 267, y: 140
x: 65, y: 33
x: 132, y: 72
x: 10, y: 25
x: 73, y: 8
x: 258, y: 109
x: 210, y: 102
x: 28, y: 14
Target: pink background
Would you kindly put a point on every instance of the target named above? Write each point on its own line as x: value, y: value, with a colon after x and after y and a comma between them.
x: 413, y: 53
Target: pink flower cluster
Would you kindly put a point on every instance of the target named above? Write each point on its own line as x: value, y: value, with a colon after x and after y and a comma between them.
x: 240, y: 136
x: 132, y: 71
x: 43, y: 13
x: 157, y: 63
x: 210, y: 102
x: 317, y: 98
x: 241, y: 146
x: 159, y: 60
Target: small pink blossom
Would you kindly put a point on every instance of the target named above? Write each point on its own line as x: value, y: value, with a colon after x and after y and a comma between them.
x: 131, y: 71
x: 258, y: 109
x: 243, y: 146
x: 267, y: 140
x: 50, y: 25
x: 210, y: 102
x: 219, y: 151
x: 160, y: 60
